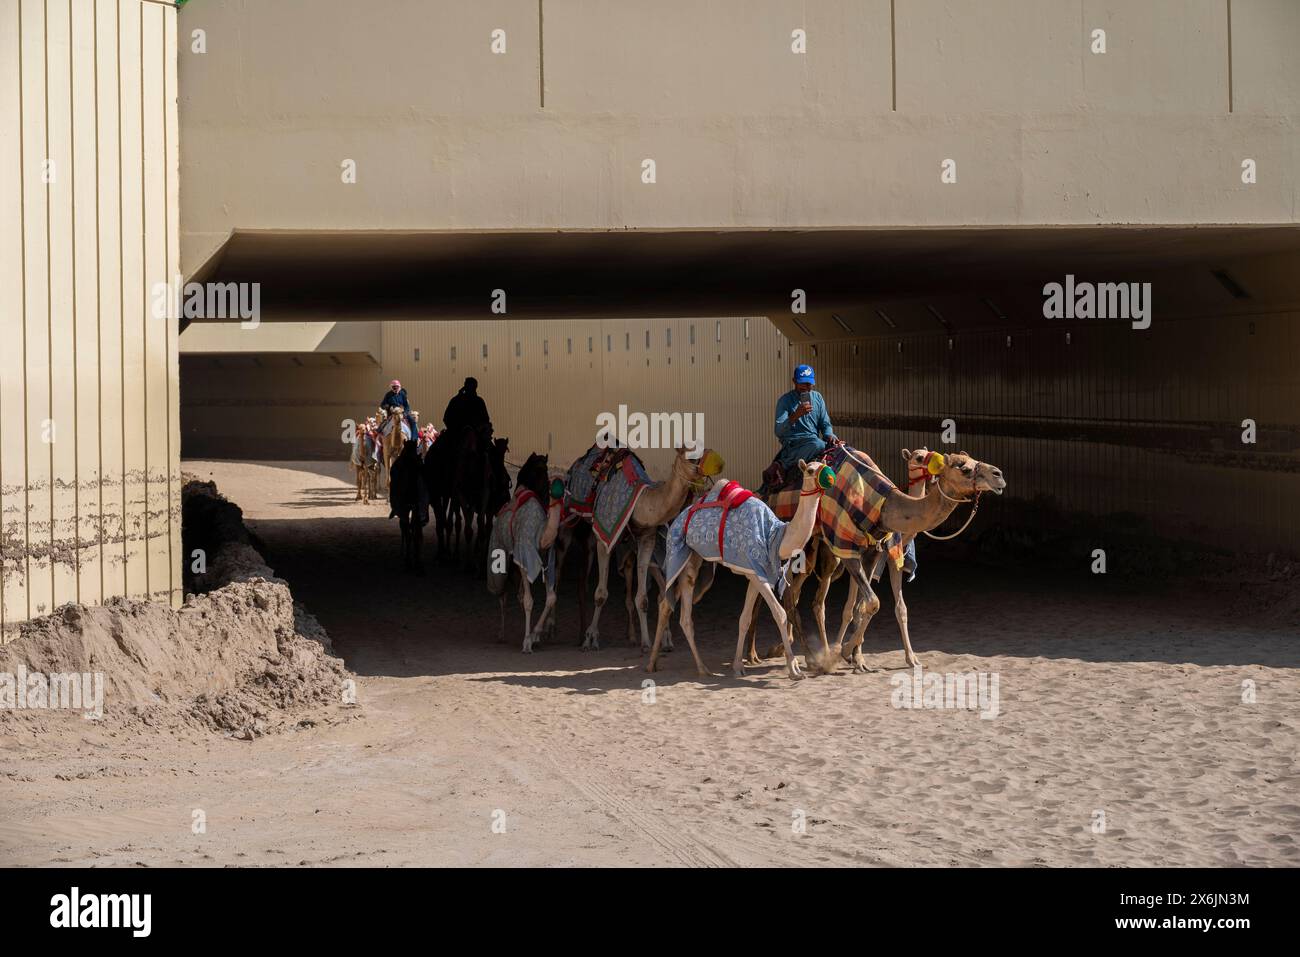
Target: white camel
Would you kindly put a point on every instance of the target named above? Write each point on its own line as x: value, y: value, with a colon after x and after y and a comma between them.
x: 738, y: 529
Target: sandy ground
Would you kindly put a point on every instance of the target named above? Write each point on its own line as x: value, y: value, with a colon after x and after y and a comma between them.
x: 464, y: 751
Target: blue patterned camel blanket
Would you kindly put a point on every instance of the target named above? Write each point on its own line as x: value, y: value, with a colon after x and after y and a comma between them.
x: 517, y: 534
x: 605, y: 495
x: 388, y: 427
x: 751, y: 538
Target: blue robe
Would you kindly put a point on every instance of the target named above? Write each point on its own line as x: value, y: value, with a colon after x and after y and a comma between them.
x: 805, y: 437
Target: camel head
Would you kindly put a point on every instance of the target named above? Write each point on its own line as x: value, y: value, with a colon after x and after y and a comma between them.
x: 533, y: 475
x: 816, y: 475
x: 959, y: 475
x: 698, y: 467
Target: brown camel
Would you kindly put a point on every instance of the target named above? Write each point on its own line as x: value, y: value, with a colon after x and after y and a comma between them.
x: 390, y: 427
x: 363, y: 463
x: 951, y: 481
x: 657, y: 505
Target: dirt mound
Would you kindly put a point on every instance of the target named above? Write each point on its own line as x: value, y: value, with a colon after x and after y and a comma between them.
x: 241, y: 657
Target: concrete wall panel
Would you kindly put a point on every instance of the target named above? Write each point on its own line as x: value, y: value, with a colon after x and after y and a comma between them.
x: 746, y: 133
x: 87, y: 227
x: 85, y: 352
x: 135, y: 305
x: 112, y: 405
x: 36, y: 310
x: 13, y: 419
x: 62, y: 317
x: 542, y: 396
x: 1266, y: 70
x: 154, y: 135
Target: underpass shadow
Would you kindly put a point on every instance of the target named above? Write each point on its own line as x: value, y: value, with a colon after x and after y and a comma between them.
x: 347, y: 572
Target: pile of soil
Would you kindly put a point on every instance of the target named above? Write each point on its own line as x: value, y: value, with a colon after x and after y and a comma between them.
x: 239, y: 657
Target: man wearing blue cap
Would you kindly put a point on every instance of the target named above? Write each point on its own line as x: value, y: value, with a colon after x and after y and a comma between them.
x: 802, y: 423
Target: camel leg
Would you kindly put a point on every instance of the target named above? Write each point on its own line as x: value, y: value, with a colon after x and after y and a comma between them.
x: 753, y: 658
x: 687, y: 595
x: 790, y: 602
x: 627, y: 569
x: 783, y: 626
x: 746, y: 616
x: 566, y: 543
x: 592, y: 640
x: 824, y: 660
x: 863, y: 612
x: 501, y: 635
x: 547, y: 611
x: 702, y: 584
x: 900, y: 612
x: 526, y: 599
x: 846, y: 617
x: 661, y: 628
x: 645, y: 547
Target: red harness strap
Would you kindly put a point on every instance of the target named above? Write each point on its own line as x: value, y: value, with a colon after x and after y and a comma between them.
x: 521, y: 496
x: 918, y: 474
x: 731, y: 495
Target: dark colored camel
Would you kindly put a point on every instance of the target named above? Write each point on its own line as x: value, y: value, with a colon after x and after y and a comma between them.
x: 408, y: 501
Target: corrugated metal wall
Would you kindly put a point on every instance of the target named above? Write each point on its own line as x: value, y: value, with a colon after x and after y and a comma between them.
x: 1114, y: 421
x: 89, y: 438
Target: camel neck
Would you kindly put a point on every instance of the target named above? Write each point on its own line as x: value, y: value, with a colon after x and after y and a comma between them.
x: 912, y: 515
x: 800, y: 527
x: 661, y: 503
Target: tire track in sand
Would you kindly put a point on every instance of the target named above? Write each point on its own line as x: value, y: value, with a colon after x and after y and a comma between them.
x: 667, y: 835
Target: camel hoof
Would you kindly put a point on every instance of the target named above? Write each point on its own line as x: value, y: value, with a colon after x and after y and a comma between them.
x: 737, y: 671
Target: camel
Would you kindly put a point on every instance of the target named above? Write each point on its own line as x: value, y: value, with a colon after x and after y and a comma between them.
x: 685, y: 559
x: 657, y: 505
x: 409, y: 504
x: 948, y: 482
x: 524, y: 531
x: 390, y: 429
x: 363, y: 463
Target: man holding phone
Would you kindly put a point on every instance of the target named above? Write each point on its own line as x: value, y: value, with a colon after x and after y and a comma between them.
x: 802, y: 423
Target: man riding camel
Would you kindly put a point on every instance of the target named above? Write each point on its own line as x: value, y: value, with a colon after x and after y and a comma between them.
x: 803, y: 427
x: 395, y: 398
x: 468, y: 410
x: 802, y: 423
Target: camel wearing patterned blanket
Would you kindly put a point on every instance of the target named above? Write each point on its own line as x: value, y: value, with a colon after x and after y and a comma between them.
x: 364, y: 462
x: 522, y: 535
x: 623, y: 498
x: 864, y: 525
x: 737, y: 529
